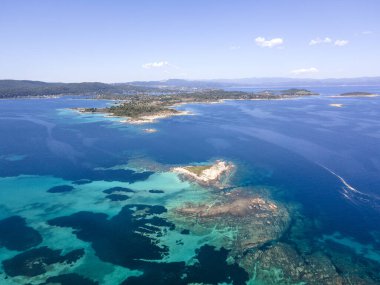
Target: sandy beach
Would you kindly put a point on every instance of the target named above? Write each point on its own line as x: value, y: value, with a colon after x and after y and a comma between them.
x: 153, y: 118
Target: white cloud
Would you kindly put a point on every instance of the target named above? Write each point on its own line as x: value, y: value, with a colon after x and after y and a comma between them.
x: 318, y: 41
x: 367, y: 32
x: 329, y: 41
x: 262, y: 42
x: 157, y: 64
x: 302, y: 71
x: 340, y: 43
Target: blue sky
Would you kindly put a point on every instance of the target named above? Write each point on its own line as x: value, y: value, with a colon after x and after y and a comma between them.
x: 118, y: 41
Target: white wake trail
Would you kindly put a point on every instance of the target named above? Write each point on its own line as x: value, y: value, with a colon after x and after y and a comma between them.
x: 354, y: 195
x: 343, y: 181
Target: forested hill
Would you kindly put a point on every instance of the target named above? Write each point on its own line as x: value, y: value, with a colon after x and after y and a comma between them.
x: 26, y: 88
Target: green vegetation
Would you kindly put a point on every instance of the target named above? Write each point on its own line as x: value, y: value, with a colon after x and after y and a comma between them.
x: 297, y: 92
x: 24, y: 88
x: 142, y: 105
x: 137, y: 100
x: 359, y: 93
x: 138, y: 109
x: 122, y: 91
x: 197, y: 170
x: 27, y: 88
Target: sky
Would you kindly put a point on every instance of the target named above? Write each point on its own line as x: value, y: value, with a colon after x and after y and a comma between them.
x: 120, y: 41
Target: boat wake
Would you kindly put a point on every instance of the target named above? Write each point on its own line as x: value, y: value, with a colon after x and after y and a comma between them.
x: 353, y: 194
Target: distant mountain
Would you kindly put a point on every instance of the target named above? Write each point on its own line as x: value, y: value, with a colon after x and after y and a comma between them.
x: 181, y: 83
x: 300, y: 82
x: 261, y: 82
x: 27, y: 88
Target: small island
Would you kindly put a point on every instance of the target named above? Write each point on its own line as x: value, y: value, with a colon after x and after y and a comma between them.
x: 358, y: 94
x: 207, y: 175
x: 336, y: 105
x: 150, y: 130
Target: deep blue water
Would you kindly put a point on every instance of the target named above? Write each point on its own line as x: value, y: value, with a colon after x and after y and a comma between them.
x: 303, y: 149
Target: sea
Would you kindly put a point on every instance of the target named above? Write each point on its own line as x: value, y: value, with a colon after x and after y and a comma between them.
x: 88, y: 199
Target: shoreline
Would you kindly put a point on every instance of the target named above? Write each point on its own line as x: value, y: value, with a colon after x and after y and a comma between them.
x: 148, y: 119
x: 145, y: 110
x: 206, y: 175
x: 145, y: 119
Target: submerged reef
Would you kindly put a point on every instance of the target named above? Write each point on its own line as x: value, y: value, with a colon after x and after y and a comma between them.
x: 82, y: 181
x: 116, y: 194
x: 16, y: 235
x: 37, y: 261
x: 281, y: 264
x: 130, y: 239
x: 117, y: 197
x: 154, y: 191
x: 244, y: 218
x: 119, y: 190
x: 210, y: 231
x: 250, y: 219
x: 69, y: 279
x: 125, y: 238
x: 210, y: 267
x: 61, y: 189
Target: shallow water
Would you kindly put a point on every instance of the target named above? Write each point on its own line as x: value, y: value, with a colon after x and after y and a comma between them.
x: 320, y: 162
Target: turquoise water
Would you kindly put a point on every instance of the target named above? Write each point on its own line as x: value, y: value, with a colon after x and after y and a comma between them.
x: 319, y: 164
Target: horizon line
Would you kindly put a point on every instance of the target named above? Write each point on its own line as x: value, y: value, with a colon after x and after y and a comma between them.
x: 204, y: 80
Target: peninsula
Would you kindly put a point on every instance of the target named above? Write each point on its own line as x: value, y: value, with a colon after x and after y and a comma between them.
x: 140, y: 109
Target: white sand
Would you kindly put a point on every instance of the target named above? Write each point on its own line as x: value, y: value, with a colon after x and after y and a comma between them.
x: 208, y: 175
x: 153, y: 118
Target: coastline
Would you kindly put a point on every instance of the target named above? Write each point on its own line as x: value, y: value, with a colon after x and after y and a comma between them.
x: 206, y: 175
x: 149, y: 119
x: 153, y: 118
x: 144, y: 109
x: 144, y: 119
